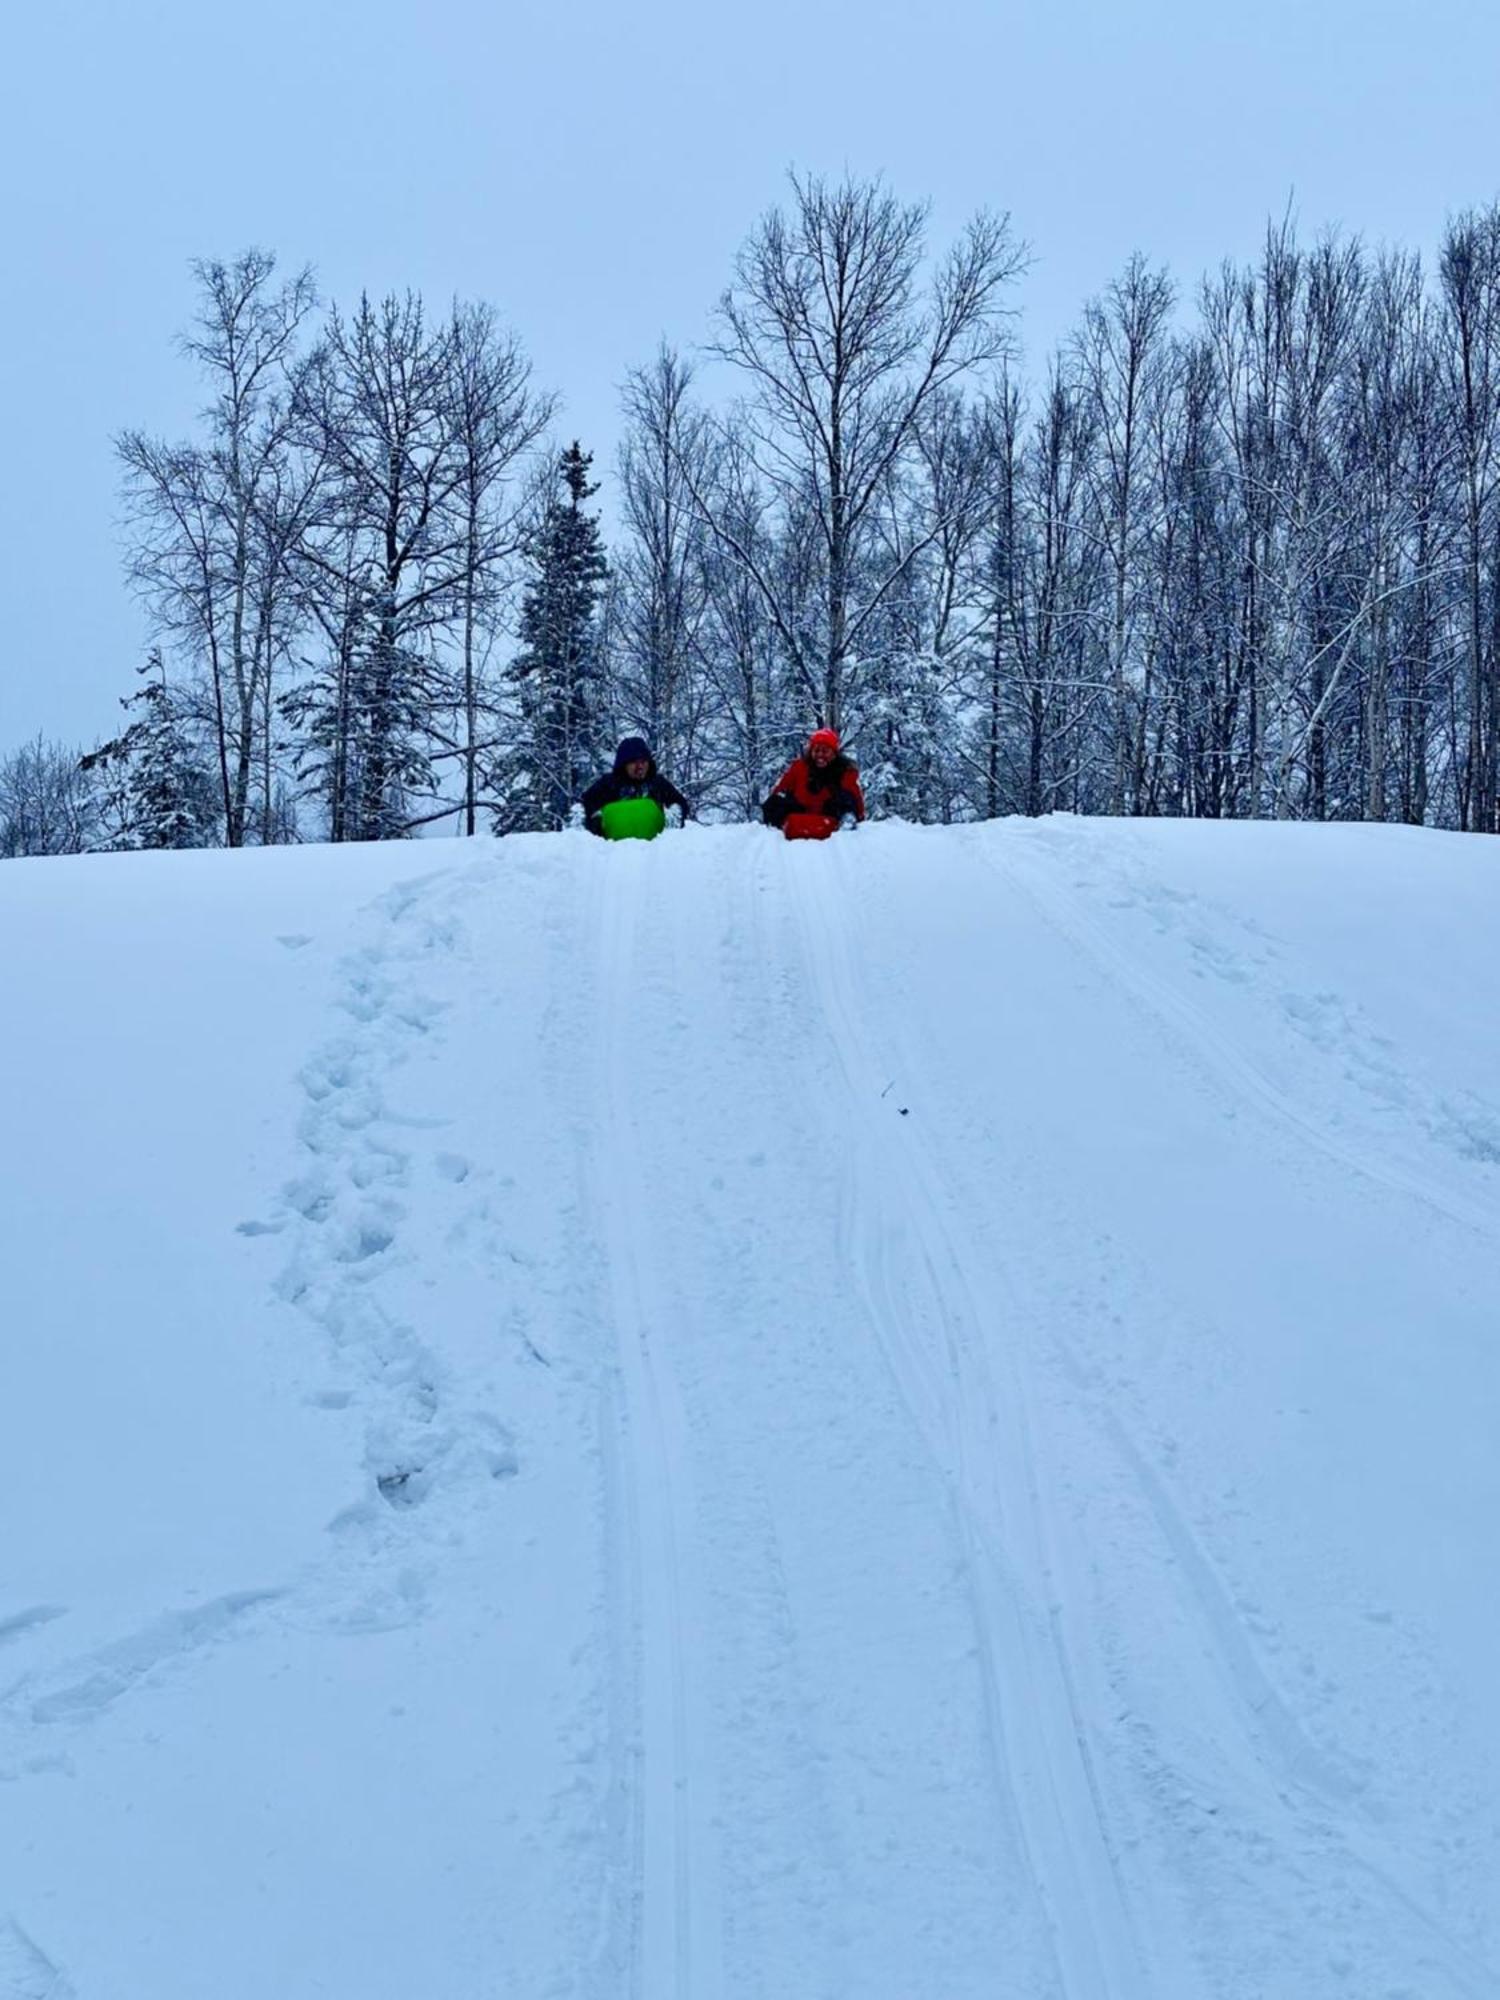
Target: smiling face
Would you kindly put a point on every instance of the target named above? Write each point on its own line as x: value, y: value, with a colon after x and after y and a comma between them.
x: 821, y: 754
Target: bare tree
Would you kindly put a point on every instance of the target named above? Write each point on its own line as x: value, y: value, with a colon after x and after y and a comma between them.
x: 661, y: 582
x: 1034, y: 684
x: 843, y: 356
x: 497, y: 420
x: 1198, y: 569
x: 48, y: 804
x: 1470, y: 274
x: 741, y: 658
x: 921, y: 651
x: 208, y: 555
x: 391, y: 555
x: 1124, y: 357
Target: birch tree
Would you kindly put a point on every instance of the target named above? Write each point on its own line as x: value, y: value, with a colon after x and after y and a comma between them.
x: 497, y: 420
x: 209, y: 554
x: 657, y: 682
x: 1123, y: 357
x: 391, y: 556
x: 842, y: 352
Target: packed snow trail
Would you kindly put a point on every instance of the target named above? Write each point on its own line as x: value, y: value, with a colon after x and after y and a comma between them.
x: 720, y: 1420
x: 687, y: 1413
x: 942, y: 1319
x: 674, y: 1944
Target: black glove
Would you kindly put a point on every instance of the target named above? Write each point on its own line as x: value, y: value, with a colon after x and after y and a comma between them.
x: 778, y: 808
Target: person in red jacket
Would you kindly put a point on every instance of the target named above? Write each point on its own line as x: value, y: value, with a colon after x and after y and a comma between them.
x: 817, y: 792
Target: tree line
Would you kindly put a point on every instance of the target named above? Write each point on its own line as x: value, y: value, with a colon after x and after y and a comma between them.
x: 1240, y: 561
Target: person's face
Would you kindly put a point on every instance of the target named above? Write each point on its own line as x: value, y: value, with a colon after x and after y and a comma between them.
x: 637, y: 769
x: 820, y: 754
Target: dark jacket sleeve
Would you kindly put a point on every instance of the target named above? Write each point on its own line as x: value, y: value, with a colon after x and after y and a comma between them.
x: 595, y: 799
x: 667, y: 795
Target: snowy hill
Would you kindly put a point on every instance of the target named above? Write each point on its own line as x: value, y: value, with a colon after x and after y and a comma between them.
x: 914, y: 1418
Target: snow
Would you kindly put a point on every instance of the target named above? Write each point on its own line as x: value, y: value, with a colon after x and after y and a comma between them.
x: 721, y: 1418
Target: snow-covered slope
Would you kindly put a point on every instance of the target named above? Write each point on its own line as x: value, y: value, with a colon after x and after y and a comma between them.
x: 912, y: 1418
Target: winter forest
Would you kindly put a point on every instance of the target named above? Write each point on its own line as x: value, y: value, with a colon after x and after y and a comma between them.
x: 1234, y: 551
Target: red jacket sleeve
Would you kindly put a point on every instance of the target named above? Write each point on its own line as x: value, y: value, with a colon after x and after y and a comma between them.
x: 791, y: 783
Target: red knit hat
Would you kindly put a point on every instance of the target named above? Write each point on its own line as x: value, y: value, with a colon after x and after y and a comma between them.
x: 823, y: 738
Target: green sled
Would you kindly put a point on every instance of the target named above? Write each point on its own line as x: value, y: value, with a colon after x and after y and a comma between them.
x: 632, y: 819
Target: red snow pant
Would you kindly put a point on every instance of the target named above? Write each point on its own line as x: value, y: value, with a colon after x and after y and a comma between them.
x: 808, y: 826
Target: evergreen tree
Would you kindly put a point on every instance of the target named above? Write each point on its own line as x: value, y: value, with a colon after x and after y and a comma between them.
x: 363, y: 722
x: 160, y: 789
x: 556, y: 673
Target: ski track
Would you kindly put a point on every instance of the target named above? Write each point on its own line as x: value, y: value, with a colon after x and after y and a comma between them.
x: 940, y: 1340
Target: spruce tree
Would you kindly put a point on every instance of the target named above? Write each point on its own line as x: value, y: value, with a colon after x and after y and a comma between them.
x: 364, y: 725
x: 159, y: 788
x: 556, y: 673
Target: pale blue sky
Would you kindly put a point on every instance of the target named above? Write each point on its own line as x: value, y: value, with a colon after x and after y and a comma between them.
x: 591, y: 169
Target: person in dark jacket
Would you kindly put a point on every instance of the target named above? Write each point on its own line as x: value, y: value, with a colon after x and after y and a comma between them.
x: 635, y: 776
x: 817, y: 792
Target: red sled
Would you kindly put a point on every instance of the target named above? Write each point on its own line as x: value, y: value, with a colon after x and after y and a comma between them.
x: 808, y: 826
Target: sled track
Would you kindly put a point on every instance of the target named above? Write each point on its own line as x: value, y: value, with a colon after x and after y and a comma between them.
x: 672, y: 1924
x: 934, y: 1311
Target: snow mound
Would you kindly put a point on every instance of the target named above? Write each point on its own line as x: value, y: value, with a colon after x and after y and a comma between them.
x: 719, y: 1418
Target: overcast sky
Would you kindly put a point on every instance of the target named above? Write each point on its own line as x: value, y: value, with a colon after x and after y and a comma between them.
x: 590, y: 169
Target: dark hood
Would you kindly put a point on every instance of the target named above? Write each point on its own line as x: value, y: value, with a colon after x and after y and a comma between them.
x: 632, y: 748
